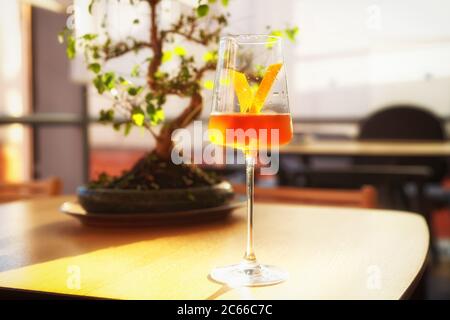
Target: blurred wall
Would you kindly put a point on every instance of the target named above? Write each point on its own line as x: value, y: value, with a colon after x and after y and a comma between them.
x: 58, y: 149
x: 15, y: 142
x: 353, y: 57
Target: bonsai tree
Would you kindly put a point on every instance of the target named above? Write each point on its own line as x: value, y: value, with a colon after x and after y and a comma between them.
x: 142, y: 105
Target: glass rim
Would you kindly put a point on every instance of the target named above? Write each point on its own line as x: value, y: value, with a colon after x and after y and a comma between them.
x: 248, y: 36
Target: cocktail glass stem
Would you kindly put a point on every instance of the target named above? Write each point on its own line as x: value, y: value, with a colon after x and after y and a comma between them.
x: 249, y: 272
x: 249, y: 257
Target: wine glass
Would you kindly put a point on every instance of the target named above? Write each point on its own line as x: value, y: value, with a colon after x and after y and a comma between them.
x: 250, y: 112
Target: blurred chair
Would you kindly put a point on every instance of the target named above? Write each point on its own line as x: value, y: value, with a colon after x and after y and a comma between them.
x: 366, y: 197
x: 34, y: 189
x: 404, y: 123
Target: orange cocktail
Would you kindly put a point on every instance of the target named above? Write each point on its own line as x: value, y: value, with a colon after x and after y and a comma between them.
x: 250, y: 112
x: 250, y: 130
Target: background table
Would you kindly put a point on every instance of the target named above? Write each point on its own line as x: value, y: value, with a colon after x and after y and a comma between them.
x: 368, y: 148
x: 330, y: 253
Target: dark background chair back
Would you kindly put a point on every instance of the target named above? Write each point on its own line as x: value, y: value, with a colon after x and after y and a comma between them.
x: 404, y: 122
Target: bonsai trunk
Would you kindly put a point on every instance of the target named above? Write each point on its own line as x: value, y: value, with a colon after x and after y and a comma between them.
x: 164, y: 144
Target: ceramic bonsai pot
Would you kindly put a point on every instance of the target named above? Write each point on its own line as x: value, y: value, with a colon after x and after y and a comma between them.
x: 97, y: 200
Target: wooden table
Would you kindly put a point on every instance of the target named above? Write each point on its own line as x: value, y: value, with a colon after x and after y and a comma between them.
x: 366, y: 148
x: 330, y: 253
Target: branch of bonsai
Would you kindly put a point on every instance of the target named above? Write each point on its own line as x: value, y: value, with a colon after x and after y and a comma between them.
x: 190, y: 37
x: 187, y: 36
x: 201, y: 71
x: 152, y: 132
x: 157, y: 46
x: 177, y: 29
x: 122, y: 48
x: 190, y: 113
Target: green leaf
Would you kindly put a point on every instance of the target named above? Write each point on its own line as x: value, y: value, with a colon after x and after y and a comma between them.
x: 209, y: 56
x: 116, y: 126
x: 150, y: 108
x: 211, y: 1
x: 291, y: 33
x: 277, y: 33
x: 106, y: 115
x: 225, y: 3
x: 109, y: 80
x: 161, y: 100
x: 202, y: 10
x: 127, y: 128
x: 208, y: 84
x: 95, y: 52
x: 95, y: 67
x: 160, y: 75
x: 180, y: 51
x: 136, y: 71
x: 156, y: 114
x: 149, y: 97
x: 157, y: 117
x: 99, y: 85
x: 89, y: 36
x: 134, y: 91
x: 167, y: 56
x: 123, y: 81
x: 138, y: 118
x: 71, y: 47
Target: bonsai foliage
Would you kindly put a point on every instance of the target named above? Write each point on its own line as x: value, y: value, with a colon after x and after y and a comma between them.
x: 142, y: 104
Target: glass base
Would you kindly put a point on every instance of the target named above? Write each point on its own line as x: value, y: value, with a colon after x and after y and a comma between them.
x: 249, y: 275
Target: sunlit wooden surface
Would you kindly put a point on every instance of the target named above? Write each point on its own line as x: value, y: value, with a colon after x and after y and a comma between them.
x: 365, y: 148
x: 330, y: 253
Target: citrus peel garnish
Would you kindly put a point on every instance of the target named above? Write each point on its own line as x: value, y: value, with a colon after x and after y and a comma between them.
x: 248, y: 100
x: 265, y: 86
x: 243, y: 90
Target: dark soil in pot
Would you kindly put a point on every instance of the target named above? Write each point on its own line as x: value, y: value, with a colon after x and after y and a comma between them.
x: 155, y: 185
